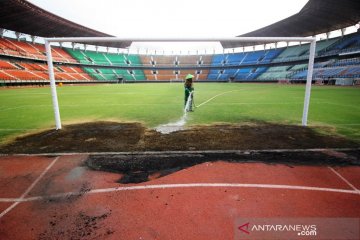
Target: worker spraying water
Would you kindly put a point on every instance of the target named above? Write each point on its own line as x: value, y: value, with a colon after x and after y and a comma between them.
x: 189, y: 104
x: 189, y: 93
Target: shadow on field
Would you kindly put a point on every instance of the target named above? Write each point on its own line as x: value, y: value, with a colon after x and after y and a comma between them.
x: 128, y: 137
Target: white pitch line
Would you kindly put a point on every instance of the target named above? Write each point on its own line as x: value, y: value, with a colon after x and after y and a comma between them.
x: 335, y: 124
x: 12, y: 108
x: 20, y: 129
x: 214, y: 97
x: 188, y: 185
x: 341, y: 105
x: 344, y: 179
x: 82, y: 105
x: 346, y: 124
x: 250, y: 103
x: 22, y: 197
x: 247, y: 151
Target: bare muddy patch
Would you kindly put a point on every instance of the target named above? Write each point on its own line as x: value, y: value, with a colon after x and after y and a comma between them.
x: 129, y: 137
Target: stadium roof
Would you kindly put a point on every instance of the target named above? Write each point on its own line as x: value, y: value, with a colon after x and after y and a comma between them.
x: 316, y: 17
x: 24, y: 17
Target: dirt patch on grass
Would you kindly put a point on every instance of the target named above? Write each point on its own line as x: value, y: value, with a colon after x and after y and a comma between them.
x: 127, y: 137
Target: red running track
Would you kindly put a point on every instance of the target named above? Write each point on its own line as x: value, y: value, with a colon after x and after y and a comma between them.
x: 59, y: 198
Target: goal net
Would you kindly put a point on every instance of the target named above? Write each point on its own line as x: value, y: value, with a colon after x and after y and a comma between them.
x: 234, y: 40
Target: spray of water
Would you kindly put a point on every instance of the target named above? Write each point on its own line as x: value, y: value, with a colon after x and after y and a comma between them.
x: 178, y: 125
x: 188, y: 103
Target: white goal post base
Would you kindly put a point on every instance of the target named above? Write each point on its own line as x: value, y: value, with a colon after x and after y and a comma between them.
x: 312, y: 42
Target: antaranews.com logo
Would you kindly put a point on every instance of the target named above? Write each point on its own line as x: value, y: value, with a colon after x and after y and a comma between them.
x: 300, y: 230
x: 297, y: 228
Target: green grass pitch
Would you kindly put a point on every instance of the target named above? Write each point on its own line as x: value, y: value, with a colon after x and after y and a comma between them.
x: 28, y: 109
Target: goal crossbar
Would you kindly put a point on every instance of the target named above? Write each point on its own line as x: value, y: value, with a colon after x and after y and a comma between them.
x: 214, y: 39
x: 255, y: 40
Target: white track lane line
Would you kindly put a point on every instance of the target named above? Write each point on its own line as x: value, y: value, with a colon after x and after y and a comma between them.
x: 188, y: 185
x: 246, y: 151
x: 344, y: 179
x: 22, y: 197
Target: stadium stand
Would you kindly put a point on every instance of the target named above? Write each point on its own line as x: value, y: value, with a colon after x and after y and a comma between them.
x: 158, y: 60
x: 205, y: 59
x: 32, y: 50
x: 147, y: 60
x: 101, y: 74
x: 249, y: 74
x: 320, y: 46
x: 115, y: 74
x: 149, y: 75
x: 238, y: 59
x: 112, y: 59
x: 166, y: 75
x: 349, y: 42
x: 253, y: 57
x: 22, y: 60
x: 138, y: 75
x: 187, y: 60
x: 78, y: 55
x: 271, y: 55
x: 132, y: 60
x: 276, y: 73
x: 198, y: 74
x: 299, y: 67
x: 6, y: 65
x: 19, y: 70
x: 292, y: 52
x: 201, y: 74
x: 96, y: 58
x: 331, y: 72
x: 28, y: 63
x: 164, y: 60
x: 115, y: 59
x: 346, y: 62
x: 323, y: 48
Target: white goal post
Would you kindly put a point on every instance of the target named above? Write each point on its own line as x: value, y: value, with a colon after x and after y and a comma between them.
x: 311, y: 40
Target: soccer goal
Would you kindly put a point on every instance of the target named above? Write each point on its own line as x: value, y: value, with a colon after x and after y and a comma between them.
x: 257, y: 40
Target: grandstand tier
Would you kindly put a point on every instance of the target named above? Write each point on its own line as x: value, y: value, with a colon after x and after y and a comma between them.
x: 20, y: 60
